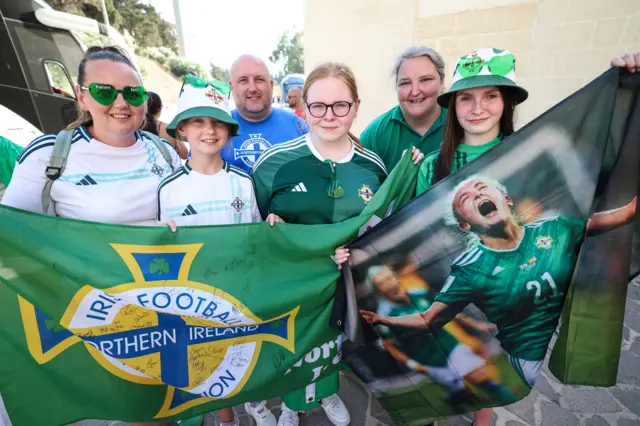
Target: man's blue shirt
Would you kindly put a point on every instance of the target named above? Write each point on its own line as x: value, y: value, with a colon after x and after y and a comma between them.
x: 255, y: 137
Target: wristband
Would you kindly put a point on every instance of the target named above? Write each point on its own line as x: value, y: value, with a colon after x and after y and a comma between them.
x: 412, y: 364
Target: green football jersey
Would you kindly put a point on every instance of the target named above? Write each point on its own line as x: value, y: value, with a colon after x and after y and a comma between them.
x: 522, y: 290
x: 390, y: 135
x: 431, y: 349
x: 463, y: 155
x: 292, y: 180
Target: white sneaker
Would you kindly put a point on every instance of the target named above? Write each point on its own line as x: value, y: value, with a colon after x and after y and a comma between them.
x: 336, y: 411
x: 261, y: 414
x: 288, y: 417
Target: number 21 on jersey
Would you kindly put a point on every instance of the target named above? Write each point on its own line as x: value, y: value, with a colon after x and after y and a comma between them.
x: 538, y: 287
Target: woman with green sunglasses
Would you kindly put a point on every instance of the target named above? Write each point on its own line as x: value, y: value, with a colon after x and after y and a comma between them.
x: 112, y: 170
x: 323, y: 177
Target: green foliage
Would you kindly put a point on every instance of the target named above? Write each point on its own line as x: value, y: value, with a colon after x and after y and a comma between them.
x: 181, y: 67
x: 135, y: 17
x: 157, y: 55
x: 143, y: 71
x: 59, y: 77
x: 94, y: 11
x: 290, y: 52
x: 166, y: 51
x: 220, y: 74
x: 92, y: 39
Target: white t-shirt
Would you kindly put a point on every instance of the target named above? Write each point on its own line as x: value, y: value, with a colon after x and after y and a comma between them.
x: 100, y: 183
x: 190, y: 198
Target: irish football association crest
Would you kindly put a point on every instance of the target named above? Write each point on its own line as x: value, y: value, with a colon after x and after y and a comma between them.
x: 162, y: 328
x: 251, y: 149
x: 544, y: 242
x: 365, y: 193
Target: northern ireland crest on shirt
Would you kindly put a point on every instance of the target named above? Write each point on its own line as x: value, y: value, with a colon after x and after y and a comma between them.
x: 157, y: 170
x: 365, y: 193
x: 544, y: 242
x: 251, y: 149
x: 237, y: 204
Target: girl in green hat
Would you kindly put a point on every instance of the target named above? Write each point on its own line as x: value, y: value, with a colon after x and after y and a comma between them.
x: 481, y: 104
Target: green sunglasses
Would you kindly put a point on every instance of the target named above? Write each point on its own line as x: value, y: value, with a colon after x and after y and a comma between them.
x: 106, y: 94
x: 327, y: 170
x: 498, y: 65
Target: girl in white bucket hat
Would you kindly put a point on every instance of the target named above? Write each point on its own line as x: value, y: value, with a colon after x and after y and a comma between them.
x: 207, y: 190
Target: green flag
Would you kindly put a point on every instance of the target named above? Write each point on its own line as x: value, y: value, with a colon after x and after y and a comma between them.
x: 138, y: 323
x: 463, y: 289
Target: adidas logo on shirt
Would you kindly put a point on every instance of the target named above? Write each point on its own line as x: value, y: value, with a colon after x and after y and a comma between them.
x: 497, y: 270
x: 189, y: 211
x: 86, y: 181
x: 299, y: 188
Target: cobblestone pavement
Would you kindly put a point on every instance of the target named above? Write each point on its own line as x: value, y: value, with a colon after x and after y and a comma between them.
x: 549, y: 404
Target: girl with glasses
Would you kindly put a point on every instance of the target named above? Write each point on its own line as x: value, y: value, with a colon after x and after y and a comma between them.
x: 323, y: 177
x: 112, y: 170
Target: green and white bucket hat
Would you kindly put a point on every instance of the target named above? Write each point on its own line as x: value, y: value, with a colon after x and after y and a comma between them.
x: 202, y: 98
x: 484, y: 67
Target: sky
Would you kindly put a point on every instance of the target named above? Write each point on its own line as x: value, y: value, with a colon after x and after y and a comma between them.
x: 218, y: 31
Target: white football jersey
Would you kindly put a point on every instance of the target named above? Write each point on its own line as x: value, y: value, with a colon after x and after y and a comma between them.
x: 100, y: 183
x: 190, y: 198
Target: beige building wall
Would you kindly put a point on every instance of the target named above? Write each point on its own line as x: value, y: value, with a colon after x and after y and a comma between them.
x: 560, y: 45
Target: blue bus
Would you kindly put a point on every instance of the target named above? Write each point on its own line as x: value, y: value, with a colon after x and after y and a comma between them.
x: 288, y: 82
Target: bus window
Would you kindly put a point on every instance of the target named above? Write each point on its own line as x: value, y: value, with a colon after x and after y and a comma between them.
x: 289, y: 82
x: 49, y: 60
x: 36, y: 44
x: 59, y: 79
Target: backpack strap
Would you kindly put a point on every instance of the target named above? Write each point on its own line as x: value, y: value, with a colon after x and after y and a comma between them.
x: 162, y: 147
x: 57, y: 162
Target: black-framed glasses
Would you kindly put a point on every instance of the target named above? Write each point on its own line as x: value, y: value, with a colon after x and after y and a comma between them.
x: 339, y: 109
x: 327, y: 170
x: 106, y: 94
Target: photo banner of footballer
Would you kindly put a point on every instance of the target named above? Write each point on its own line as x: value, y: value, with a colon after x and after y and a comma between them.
x: 461, y: 291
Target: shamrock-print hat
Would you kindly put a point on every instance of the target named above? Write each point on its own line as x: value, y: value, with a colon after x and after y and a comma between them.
x: 202, y: 98
x: 484, y: 67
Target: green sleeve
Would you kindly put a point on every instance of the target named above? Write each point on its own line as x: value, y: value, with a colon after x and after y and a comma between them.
x: 9, y: 153
x: 263, y: 178
x: 425, y: 174
x: 368, y: 137
x: 576, y: 228
x: 457, y: 291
